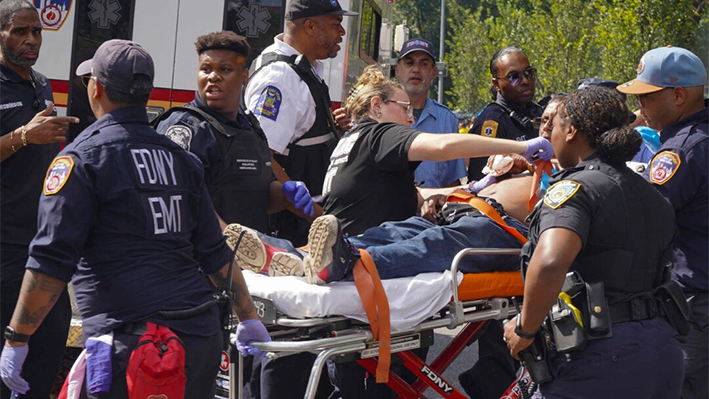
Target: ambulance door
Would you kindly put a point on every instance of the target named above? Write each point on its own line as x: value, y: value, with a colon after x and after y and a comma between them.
x: 95, y: 21
x: 258, y: 21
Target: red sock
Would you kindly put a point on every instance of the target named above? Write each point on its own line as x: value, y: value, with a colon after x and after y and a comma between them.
x: 269, y: 255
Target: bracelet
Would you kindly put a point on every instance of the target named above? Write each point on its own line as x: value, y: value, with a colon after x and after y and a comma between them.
x: 12, y: 132
x: 521, y: 333
x: 23, y: 136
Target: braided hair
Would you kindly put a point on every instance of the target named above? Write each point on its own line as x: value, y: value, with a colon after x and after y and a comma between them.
x: 602, y: 116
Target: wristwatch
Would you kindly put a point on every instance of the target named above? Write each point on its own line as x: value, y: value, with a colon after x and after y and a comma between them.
x: 13, y: 336
x: 520, y: 332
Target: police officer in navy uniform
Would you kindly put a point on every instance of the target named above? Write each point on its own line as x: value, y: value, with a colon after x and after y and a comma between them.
x: 234, y: 150
x: 287, y: 94
x: 669, y: 88
x: 603, y: 221
x: 30, y: 137
x: 510, y: 115
x: 126, y: 216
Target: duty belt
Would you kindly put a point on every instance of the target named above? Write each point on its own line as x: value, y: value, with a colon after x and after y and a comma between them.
x: 635, y: 309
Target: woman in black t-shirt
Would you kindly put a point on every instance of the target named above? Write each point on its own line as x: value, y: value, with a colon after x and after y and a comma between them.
x: 370, y: 179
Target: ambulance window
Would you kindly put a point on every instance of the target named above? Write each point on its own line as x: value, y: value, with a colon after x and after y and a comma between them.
x: 371, y: 26
x: 259, y: 21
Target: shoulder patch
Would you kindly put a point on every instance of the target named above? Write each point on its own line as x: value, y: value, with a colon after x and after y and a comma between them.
x: 489, y: 128
x: 664, y: 166
x: 58, y: 174
x: 268, y: 103
x: 560, y: 193
x: 181, y: 135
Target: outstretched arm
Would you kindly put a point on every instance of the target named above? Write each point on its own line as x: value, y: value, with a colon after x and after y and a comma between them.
x: 444, y: 147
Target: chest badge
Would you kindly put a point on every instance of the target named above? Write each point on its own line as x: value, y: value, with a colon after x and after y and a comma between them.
x: 58, y: 174
x: 489, y: 129
x: 664, y: 166
x: 560, y: 193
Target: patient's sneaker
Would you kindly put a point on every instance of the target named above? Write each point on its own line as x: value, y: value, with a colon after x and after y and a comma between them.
x: 258, y: 257
x: 331, y: 256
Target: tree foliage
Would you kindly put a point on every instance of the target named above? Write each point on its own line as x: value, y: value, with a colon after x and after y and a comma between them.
x: 566, y: 40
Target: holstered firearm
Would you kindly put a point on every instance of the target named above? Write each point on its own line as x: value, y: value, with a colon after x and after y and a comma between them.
x: 565, y: 319
x: 537, y: 359
x: 672, y: 304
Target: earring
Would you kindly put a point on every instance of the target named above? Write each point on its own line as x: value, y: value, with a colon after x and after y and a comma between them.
x: 379, y: 114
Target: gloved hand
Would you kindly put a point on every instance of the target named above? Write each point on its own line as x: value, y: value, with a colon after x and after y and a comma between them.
x: 297, y: 193
x: 479, y: 185
x: 11, y: 361
x: 248, y: 331
x: 540, y: 147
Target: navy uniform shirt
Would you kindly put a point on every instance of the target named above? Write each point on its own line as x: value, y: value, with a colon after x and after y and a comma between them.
x: 126, y: 212
x: 23, y: 172
x: 495, y: 121
x: 679, y: 172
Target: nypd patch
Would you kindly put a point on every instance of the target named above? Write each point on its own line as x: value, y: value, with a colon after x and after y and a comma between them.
x: 58, y: 174
x: 489, y: 129
x: 664, y: 166
x: 269, y: 102
x: 181, y: 135
x: 560, y: 193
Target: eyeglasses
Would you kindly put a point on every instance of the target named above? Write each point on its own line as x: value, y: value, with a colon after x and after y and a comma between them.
x: 405, y: 105
x: 640, y: 99
x: 515, y: 77
x: 85, y: 80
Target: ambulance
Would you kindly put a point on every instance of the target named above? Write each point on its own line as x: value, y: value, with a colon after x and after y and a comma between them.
x: 74, y: 29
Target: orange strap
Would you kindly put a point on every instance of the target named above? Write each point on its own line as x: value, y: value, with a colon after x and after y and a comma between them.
x: 371, y: 291
x: 542, y: 166
x: 486, y: 209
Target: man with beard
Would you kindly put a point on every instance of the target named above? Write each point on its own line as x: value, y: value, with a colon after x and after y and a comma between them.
x: 30, y: 137
x: 416, y: 69
x: 287, y: 95
x: 510, y: 115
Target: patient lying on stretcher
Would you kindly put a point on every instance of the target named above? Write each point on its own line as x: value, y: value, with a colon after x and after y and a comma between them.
x: 416, y: 245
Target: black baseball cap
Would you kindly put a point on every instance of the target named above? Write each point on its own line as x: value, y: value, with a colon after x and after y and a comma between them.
x: 116, y: 62
x: 298, y: 9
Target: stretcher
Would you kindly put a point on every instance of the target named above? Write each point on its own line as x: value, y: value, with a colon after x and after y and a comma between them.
x: 469, y: 300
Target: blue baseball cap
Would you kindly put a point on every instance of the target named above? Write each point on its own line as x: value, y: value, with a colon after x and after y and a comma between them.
x: 666, y: 67
x: 417, y: 44
x: 116, y: 62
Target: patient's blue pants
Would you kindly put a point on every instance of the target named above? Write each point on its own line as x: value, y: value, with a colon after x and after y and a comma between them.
x: 416, y: 245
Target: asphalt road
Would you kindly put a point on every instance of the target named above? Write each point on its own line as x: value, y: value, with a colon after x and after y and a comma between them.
x: 466, y: 359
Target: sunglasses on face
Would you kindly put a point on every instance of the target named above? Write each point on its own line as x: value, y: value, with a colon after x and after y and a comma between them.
x: 85, y: 80
x: 515, y: 77
x: 405, y: 105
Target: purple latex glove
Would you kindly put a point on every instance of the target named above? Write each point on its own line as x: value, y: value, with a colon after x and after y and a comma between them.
x: 248, y: 331
x: 479, y: 185
x: 539, y: 147
x: 11, y: 361
x: 297, y: 193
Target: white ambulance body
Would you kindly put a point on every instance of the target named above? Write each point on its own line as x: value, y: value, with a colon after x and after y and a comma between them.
x: 73, y: 29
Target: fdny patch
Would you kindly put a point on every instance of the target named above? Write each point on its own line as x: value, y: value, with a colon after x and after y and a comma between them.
x: 663, y: 167
x: 181, y: 135
x: 560, y: 192
x: 58, y: 174
x: 489, y: 129
x: 268, y: 103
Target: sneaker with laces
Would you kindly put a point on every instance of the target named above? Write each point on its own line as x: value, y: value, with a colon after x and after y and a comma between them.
x: 331, y: 255
x: 258, y: 257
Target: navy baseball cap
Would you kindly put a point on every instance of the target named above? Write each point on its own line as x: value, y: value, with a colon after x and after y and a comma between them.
x: 116, y: 62
x: 608, y: 83
x: 298, y: 9
x: 416, y: 44
x: 666, y: 67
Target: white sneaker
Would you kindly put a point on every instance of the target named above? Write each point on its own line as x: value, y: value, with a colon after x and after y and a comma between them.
x: 253, y: 254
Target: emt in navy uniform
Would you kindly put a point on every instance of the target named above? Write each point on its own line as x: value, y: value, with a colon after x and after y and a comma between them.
x: 30, y: 138
x: 126, y: 216
x: 229, y: 142
x: 288, y: 96
x: 415, y: 70
x: 510, y: 115
x: 669, y: 88
x: 602, y: 220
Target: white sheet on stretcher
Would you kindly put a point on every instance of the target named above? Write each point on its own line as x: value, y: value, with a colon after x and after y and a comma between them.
x: 411, y: 299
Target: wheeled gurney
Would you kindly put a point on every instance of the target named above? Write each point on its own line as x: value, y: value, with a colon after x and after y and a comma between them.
x: 476, y: 299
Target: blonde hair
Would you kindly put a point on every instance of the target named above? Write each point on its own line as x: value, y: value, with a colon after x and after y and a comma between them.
x: 372, y: 83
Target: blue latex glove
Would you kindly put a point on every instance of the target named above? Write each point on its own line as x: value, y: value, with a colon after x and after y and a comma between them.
x: 479, y: 185
x: 248, y: 331
x: 297, y: 193
x: 539, y: 147
x: 11, y: 361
